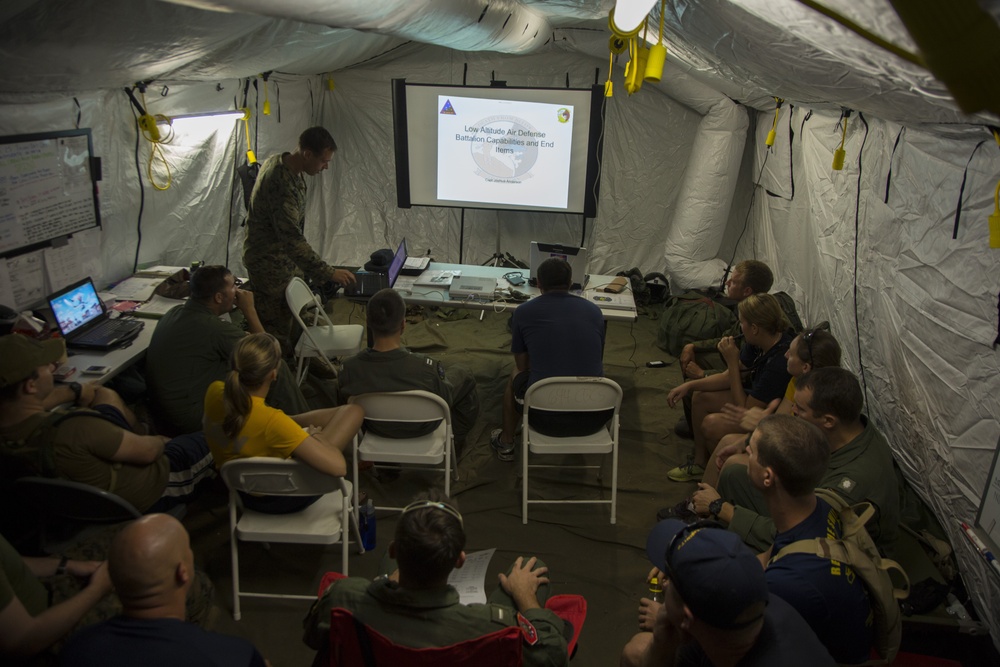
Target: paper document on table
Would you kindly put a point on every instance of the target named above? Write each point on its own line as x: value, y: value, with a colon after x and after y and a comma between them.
x: 157, y: 307
x: 470, y: 579
x: 436, y: 278
x: 136, y: 288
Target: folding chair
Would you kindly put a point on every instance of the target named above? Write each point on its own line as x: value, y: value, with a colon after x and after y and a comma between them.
x: 324, y: 522
x: 411, y: 407
x: 571, y: 395
x: 69, y: 511
x: 322, y: 339
x: 354, y: 644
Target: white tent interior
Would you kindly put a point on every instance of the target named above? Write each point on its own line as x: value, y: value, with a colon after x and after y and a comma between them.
x: 687, y: 183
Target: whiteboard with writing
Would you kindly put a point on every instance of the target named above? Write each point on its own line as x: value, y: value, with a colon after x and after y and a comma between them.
x: 47, y: 189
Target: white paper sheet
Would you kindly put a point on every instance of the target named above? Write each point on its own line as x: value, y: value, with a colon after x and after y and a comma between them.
x: 6, y: 291
x: 470, y: 579
x: 136, y: 288
x: 26, y: 279
x: 63, y: 266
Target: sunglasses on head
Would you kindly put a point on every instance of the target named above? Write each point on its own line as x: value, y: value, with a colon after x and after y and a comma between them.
x: 807, y: 336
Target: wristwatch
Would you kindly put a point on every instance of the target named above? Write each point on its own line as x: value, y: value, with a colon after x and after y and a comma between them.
x: 715, y: 507
x: 77, y: 389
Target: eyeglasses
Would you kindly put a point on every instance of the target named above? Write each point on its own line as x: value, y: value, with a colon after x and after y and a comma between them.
x: 433, y: 504
x: 807, y: 336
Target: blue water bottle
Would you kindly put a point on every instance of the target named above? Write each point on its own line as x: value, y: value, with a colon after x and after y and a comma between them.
x: 367, y: 521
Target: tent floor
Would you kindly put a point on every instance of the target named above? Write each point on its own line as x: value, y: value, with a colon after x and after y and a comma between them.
x: 586, y: 554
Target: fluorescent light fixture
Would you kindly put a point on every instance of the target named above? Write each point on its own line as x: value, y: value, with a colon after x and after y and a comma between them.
x: 629, y: 14
x: 236, y: 114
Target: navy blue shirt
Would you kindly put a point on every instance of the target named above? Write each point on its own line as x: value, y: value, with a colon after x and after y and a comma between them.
x: 784, y: 641
x: 126, y: 642
x: 562, y: 334
x: 829, y: 595
x: 769, y: 375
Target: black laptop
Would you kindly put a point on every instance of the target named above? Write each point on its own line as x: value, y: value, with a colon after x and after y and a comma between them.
x: 83, y: 321
x: 368, y: 283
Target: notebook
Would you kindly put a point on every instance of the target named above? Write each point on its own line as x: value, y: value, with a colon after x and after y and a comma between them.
x: 577, y: 258
x: 83, y: 321
x: 369, y: 283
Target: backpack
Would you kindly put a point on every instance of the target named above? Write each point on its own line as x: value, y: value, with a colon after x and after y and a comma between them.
x: 788, y: 307
x: 34, y: 455
x: 690, y: 317
x: 857, y: 549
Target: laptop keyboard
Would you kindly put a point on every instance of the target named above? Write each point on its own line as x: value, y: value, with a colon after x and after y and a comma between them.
x: 368, y: 283
x: 107, y: 332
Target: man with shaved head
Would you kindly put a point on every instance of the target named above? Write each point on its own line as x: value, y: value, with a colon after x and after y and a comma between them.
x: 152, y: 567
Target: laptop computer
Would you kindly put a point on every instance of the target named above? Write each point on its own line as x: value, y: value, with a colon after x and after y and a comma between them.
x: 84, y: 322
x: 369, y: 283
x: 577, y: 258
x: 473, y: 287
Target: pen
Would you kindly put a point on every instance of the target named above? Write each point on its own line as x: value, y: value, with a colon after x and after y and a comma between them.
x: 980, y: 546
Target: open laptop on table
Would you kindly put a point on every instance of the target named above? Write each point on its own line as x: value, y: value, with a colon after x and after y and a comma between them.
x: 369, y: 283
x: 577, y: 258
x: 83, y: 321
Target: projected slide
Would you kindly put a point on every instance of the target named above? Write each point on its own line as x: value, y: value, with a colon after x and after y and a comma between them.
x: 505, y: 152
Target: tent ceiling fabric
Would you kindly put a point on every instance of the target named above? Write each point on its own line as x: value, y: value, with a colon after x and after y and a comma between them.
x: 749, y: 49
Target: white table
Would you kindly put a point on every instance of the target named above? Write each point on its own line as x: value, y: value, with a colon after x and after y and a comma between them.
x: 439, y: 296
x: 117, y: 359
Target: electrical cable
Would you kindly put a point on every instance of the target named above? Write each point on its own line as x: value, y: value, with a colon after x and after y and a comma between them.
x: 857, y: 226
x: 961, y: 190
x: 746, y: 220
x: 142, y: 193
x: 151, y: 133
x: 888, y: 176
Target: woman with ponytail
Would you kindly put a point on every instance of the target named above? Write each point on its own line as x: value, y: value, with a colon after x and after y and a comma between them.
x: 239, y: 424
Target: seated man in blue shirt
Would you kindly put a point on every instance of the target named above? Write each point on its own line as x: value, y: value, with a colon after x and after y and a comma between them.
x: 788, y: 457
x: 152, y: 568
x: 717, y: 609
x: 554, y: 334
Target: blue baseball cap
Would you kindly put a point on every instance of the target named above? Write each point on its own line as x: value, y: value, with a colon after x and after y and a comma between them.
x: 716, y: 575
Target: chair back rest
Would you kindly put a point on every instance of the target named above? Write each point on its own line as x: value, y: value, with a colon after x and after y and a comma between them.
x: 403, y: 406
x: 353, y: 644
x: 574, y: 394
x: 277, y: 477
x: 75, y: 501
x: 298, y: 296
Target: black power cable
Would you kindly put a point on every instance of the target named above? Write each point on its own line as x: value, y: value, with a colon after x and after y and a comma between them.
x: 142, y: 190
x: 857, y: 225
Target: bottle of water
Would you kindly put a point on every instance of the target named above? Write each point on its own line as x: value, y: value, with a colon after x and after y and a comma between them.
x: 366, y: 520
x: 655, y: 590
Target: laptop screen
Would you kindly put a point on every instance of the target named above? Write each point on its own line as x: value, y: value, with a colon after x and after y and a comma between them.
x: 397, y: 262
x: 75, y: 306
x: 577, y: 258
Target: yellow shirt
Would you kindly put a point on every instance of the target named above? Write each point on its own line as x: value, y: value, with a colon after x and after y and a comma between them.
x: 267, y: 431
x: 790, y: 391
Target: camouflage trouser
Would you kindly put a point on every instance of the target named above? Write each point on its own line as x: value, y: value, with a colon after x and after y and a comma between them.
x: 268, y: 278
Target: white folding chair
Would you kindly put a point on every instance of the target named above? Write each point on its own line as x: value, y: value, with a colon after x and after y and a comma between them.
x: 322, y: 338
x: 571, y: 394
x: 408, y: 407
x: 326, y: 521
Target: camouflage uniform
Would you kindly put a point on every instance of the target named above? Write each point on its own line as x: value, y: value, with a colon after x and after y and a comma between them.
x: 275, y: 251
